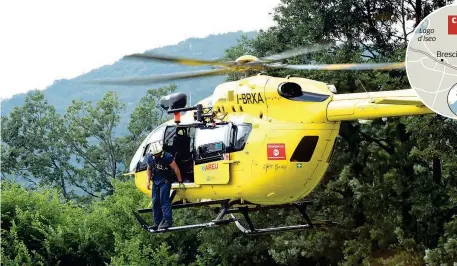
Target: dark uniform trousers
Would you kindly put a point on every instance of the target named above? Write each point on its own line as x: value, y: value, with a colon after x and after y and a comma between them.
x: 161, y: 204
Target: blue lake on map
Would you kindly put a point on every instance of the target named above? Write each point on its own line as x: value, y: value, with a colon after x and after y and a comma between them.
x: 453, y: 107
x: 452, y: 99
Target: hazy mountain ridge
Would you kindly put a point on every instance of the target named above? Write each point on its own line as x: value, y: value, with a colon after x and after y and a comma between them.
x: 61, y: 93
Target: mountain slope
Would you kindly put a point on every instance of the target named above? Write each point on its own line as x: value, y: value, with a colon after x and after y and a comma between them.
x: 62, y: 92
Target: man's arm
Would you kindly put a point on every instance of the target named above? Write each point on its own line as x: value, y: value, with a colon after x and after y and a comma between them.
x: 175, y: 167
x: 149, y: 173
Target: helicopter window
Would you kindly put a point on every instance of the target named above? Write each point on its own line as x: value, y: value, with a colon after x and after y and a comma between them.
x: 146, y: 149
x: 311, y: 97
x: 208, y: 135
x: 157, y: 135
x: 211, y: 143
x: 138, y: 162
x: 305, y: 149
x: 139, y: 154
x: 170, y: 132
x: 240, y: 136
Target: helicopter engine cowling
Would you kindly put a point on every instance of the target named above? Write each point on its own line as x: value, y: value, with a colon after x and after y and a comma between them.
x: 293, y: 91
x: 173, y: 101
x: 290, y: 90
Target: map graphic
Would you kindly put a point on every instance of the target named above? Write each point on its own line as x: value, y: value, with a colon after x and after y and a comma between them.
x: 431, y: 61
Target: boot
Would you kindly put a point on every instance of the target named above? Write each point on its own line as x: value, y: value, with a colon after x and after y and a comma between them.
x: 154, y: 226
x: 164, y: 225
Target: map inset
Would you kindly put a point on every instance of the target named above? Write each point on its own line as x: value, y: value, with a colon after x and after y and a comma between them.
x: 431, y: 61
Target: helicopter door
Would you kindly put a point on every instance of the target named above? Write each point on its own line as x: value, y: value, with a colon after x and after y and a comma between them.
x: 211, y: 159
x: 179, y: 142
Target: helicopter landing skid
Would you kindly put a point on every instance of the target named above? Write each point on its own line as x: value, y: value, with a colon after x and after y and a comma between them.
x: 227, y: 208
x: 181, y: 228
x: 301, y: 206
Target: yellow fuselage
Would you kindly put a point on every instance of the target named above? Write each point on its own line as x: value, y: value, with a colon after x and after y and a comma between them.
x: 255, y: 174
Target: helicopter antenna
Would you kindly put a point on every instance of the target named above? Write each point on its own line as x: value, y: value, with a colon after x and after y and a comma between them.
x: 364, y: 88
x: 371, y: 99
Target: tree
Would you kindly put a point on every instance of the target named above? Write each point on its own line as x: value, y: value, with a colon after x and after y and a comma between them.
x: 390, y: 184
x: 92, y: 139
x: 32, y: 145
x: 146, y: 116
x: 40, y: 228
x: 79, y: 151
x: 244, y: 47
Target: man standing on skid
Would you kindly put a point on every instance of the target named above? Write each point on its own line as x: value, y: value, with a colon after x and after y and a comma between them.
x: 160, y: 166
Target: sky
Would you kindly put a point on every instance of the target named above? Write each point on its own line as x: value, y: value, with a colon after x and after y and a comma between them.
x: 42, y: 41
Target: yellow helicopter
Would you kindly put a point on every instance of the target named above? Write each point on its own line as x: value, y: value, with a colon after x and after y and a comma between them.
x: 260, y: 142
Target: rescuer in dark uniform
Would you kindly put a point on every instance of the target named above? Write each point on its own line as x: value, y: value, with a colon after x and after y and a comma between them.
x: 160, y: 167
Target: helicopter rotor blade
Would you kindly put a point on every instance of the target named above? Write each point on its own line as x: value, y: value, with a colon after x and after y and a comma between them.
x: 368, y: 66
x: 145, y: 80
x: 178, y: 60
x: 297, y: 51
x: 200, y: 62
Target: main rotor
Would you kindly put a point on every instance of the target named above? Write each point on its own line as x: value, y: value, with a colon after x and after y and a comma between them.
x: 243, y: 63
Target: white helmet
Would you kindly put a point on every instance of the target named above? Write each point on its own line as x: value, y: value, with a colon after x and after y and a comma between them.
x: 155, y: 147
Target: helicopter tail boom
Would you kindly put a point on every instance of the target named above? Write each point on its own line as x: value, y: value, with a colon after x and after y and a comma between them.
x: 373, y: 105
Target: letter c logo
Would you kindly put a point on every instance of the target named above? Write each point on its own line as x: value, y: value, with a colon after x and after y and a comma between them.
x: 454, y: 20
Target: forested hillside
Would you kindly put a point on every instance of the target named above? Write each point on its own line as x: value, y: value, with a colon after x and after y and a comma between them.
x: 62, y: 92
x: 392, y: 184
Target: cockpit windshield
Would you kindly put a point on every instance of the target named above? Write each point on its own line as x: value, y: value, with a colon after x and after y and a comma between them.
x: 195, y: 143
x: 155, y: 135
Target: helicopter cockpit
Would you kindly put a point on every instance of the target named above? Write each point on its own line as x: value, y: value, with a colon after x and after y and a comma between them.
x: 196, y: 142
x: 138, y: 162
x: 193, y: 144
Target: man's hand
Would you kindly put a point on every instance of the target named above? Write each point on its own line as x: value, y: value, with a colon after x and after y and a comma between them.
x: 149, y: 184
x: 181, y: 185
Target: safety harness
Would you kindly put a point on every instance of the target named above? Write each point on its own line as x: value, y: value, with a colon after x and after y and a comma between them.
x: 162, y: 168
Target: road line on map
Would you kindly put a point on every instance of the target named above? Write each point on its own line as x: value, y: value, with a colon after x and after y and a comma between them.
x: 432, y: 57
x: 437, y: 90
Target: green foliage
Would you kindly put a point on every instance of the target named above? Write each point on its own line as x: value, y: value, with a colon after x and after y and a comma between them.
x: 146, y: 116
x: 41, y: 228
x: 32, y: 144
x: 392, y: 185
x: 79, y: 150
x: 91, y: 136
x: 446, y: 251
x: 37, y: 228
x: 244, y: 47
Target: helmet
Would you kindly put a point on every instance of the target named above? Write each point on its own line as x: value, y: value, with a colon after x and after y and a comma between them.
x: 155, y: 147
